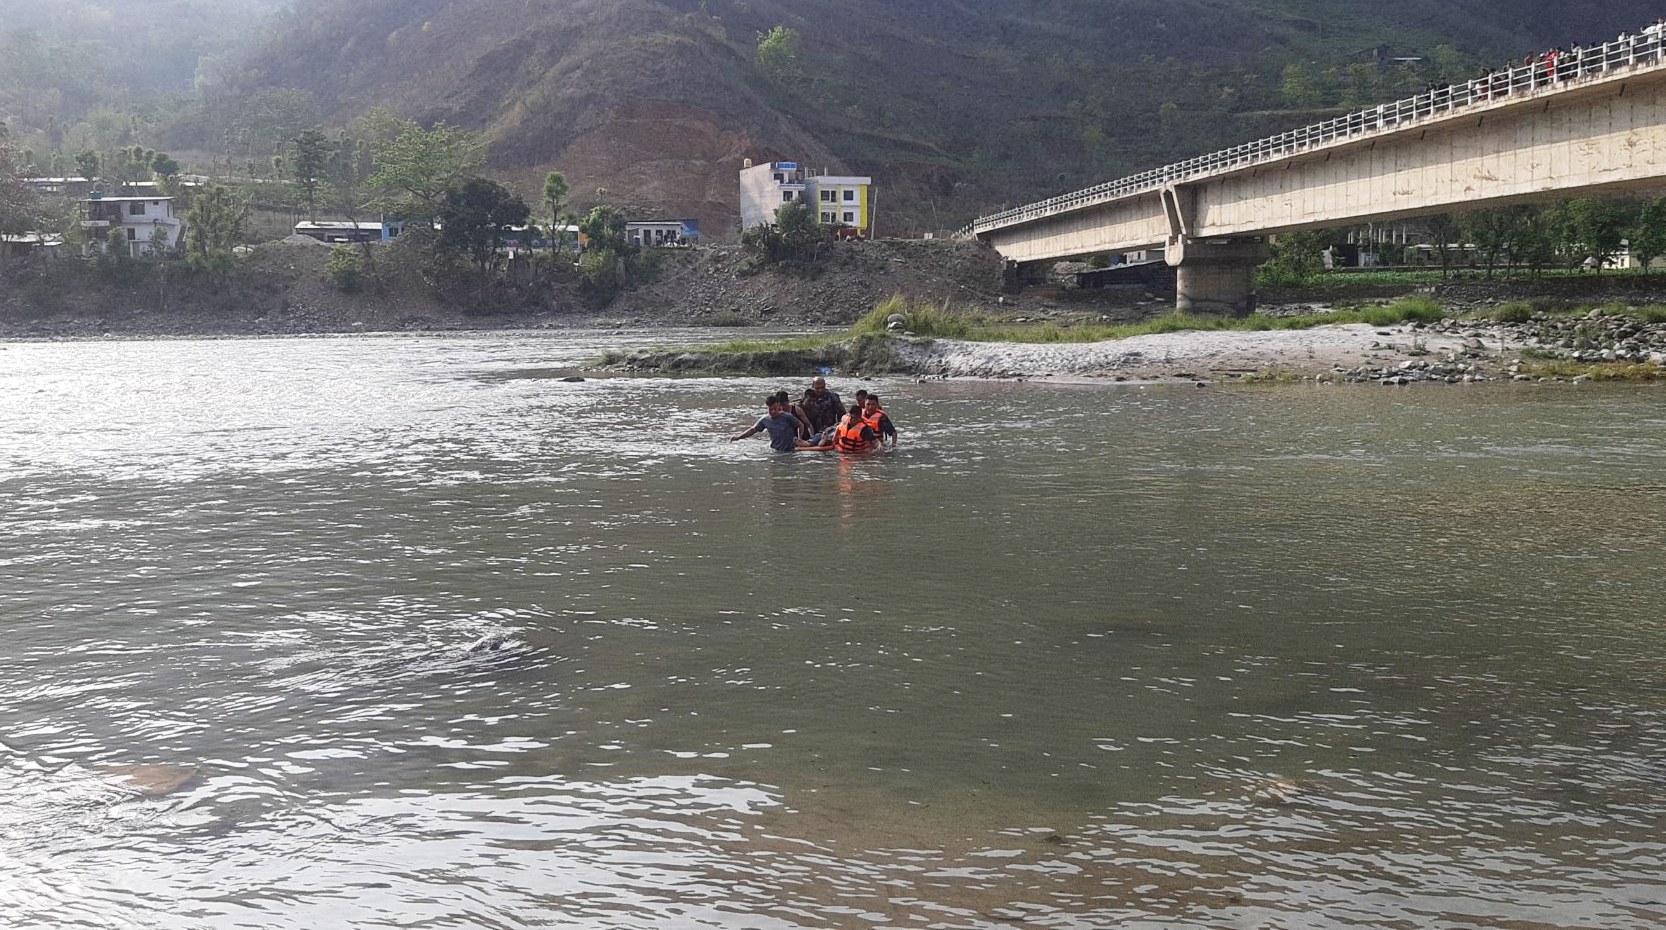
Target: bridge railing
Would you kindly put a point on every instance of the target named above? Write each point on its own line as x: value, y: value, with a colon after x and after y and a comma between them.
x: 1531, y: 75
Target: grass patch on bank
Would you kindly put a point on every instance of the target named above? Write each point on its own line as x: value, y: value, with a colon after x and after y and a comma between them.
x: 1596, y: 371
x: 933, y: 322
x: 795, y: 344
x: 940, y: 321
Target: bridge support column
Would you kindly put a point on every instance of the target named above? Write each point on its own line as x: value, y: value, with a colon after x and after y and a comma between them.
x: 1215, y: 275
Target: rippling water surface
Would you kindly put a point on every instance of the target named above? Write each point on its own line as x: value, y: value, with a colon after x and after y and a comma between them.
x: 1071, y: 657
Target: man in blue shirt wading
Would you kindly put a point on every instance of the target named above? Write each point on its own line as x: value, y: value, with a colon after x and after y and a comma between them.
x: 782, y: 427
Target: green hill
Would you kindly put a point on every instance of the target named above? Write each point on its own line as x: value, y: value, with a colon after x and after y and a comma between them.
x: 956, y: 107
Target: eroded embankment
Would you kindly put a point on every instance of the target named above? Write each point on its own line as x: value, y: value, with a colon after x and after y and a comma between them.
x: 1450, y: 351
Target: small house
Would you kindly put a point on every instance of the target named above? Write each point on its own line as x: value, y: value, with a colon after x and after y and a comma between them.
x: 136, y: 226
x: 662, y: 233
x: 30, y: 245
x: 344, y: 231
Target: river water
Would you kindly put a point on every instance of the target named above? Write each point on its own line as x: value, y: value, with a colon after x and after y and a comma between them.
x: 1072, y: 656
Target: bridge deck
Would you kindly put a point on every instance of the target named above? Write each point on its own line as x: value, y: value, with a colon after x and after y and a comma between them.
x: 1506, y: 89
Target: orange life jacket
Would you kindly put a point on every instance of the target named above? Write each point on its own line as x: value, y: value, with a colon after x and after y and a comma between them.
x: 848, y: 437
x: 874, y: 420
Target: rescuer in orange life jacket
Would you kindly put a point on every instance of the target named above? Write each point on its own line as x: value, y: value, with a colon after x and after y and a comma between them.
x: 853, y: 434
x: 874, y: 416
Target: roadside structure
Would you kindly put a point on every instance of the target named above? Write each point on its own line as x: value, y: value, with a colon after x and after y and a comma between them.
x: 765, y: 187
x: 44, y: 245
x: 844, y: 202
x: 136, y: 226
x: 662, y: 233
x: 344, y: 231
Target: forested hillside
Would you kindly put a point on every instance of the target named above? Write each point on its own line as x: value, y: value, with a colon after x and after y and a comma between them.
x: 93, y: 74
x: 954, y: 106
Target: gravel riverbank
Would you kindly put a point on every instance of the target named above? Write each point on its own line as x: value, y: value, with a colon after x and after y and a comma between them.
x: 1545, y: 346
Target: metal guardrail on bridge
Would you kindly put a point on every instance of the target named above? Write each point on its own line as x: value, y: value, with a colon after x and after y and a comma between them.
x: 1631, y: 51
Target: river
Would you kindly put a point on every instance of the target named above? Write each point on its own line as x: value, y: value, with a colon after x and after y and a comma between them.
x: 1072, y: 656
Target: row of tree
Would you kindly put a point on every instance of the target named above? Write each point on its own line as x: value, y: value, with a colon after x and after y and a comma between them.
x: 1528, y: 238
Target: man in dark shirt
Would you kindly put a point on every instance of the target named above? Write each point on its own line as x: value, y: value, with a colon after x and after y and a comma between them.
x: 822, y: 406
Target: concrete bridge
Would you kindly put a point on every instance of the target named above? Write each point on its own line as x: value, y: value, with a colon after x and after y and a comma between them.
x: 1587, y: 124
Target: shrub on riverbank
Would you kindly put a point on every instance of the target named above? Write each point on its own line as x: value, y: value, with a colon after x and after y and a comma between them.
x: 924, y: 320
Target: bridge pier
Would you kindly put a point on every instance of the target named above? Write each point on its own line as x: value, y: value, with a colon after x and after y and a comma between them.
x: 1215, y: 275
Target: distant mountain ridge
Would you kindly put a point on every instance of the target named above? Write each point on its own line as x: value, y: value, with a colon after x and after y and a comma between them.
x: 954, y: 106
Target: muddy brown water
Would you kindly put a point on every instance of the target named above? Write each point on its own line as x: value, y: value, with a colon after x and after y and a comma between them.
x: 1073, y: 656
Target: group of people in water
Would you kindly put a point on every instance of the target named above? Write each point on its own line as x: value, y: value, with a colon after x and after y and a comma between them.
x: 820, y: 422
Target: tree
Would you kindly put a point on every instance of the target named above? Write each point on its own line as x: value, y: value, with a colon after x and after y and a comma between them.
x: 165, y: 167
x: 795, y: 234
x: 1296, y: 87
x: 477, y: 216
x: 1494, y: 231
x: 311, y: 158
x: 418, y: 166
x: 1444, y: 230
x: 1589, y: 231
x: 604, y: 228
x: 605, y: 266
x: 345, y: 168
x: 90, y: 165
x: 555, y: 191
x: 266, y: 120
x: 1535, y: 240
x: 1648, y: 234
x: 21, y: 209
x: 1295, y: 260
x: 215, y: 222
x: 777, y: 55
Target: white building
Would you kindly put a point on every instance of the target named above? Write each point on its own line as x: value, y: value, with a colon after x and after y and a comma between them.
x: 661, y: 233
x: 764, y: 188
x: 840, y: 201
x: 134, y: 225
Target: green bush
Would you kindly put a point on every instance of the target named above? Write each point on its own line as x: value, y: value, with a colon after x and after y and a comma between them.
x: 1405, y: 310
x: 919, y: 319
x: 342, y: 269
x: 1295, y: 261
x: 1515, y: 311
x: 602, y: 276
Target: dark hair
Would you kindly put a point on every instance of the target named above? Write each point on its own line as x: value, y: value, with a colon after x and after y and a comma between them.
x: 809, y: 392
x: 771, y: 400
x: 874, y: 398
x: 862, y: 393
x: 782, y: 397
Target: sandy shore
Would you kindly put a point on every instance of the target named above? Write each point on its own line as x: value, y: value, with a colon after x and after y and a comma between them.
x: 1360, y: 350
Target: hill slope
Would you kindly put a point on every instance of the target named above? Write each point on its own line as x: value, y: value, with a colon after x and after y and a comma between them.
x: 955, y: 106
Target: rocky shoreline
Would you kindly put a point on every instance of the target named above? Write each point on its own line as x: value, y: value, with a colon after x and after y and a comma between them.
x: 1452, y: 351
x: 280, y: 289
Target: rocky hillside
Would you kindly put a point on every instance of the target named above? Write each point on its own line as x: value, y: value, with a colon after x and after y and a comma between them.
x: 954, y: 107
